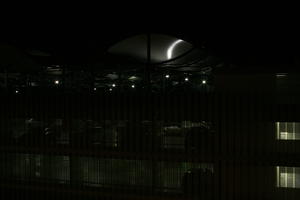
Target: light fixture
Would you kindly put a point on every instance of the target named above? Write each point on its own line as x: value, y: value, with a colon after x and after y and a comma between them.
x: 110, y: 89
x: 112, y: 76
x: 279, y: 75
x: 95, y: 89
x: 17, y: 91
x: 175, y: 83
x: 167, y: 76
x: 56, y: 82
x: 133, y: 86
x: 113, y: 85
x: 203, y: 81
x: 186, y: 79
x: 133, y: 78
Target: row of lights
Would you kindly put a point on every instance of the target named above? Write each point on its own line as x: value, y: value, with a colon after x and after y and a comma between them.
x: 113, y: 86
x: 167, y: 76
x: 133, y: 86
x: 56, y: 82
x: 186, y: 79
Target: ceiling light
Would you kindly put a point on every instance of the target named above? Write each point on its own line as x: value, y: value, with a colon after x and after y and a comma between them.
x: 112, y: 76
x: 56, y: 82
x: 167, y: 76
x: 186, y: 79
x: 113, y: 85
x: 175, y: 83
x: 133, y: 86
x: 281, y: 75
x: 133, y: 78
x: 203, y: 81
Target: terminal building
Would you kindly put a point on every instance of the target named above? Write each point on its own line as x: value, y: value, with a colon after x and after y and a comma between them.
x: 154, y: 116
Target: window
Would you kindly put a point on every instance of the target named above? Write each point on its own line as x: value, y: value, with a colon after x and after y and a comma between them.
x: 288, y: 130
x: 41, y: 167
x: 288, y: 177
x: 170, y: 174
x: 115, y: 172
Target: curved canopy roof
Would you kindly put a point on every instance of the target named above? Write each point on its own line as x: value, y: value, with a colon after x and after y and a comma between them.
x: 163, y: 48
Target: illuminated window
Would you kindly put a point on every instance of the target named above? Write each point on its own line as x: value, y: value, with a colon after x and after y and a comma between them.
x: 288, y: 177
x: 288, y: 130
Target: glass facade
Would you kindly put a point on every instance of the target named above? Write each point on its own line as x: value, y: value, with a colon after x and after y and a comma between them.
x: 165, y: 176
x: 30, y: 167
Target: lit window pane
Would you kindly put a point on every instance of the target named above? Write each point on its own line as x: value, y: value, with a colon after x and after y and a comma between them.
x: 288, y: 177
x: 288, y: 130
